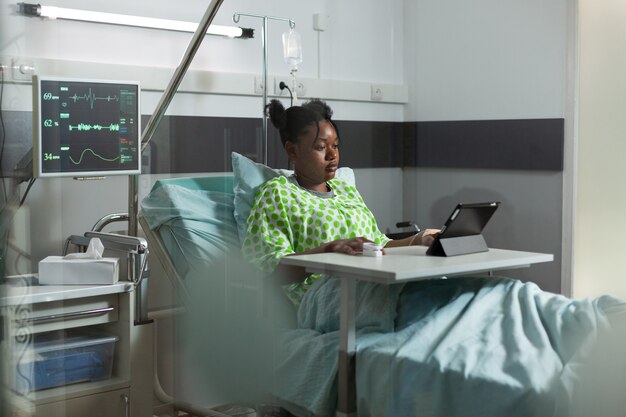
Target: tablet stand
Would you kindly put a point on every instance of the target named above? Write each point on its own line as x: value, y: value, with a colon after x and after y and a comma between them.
x: 461, y: 245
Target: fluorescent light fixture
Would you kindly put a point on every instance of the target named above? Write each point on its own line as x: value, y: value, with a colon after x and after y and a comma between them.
x: 51, y: 12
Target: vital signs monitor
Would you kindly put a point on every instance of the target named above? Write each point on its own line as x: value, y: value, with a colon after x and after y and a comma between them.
x: 85, y: 128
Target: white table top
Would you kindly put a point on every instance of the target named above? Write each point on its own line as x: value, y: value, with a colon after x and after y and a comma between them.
x: 411, y: 263
x: 19, y: 293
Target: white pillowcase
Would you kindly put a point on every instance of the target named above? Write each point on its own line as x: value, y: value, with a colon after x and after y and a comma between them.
x: 249, y: 176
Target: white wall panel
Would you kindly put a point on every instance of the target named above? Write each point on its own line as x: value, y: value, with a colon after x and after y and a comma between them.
x: 528, y: 219
x: 381, y: 189
x: 600, y: 225
x: 363, y: 41
x: 485, y: 59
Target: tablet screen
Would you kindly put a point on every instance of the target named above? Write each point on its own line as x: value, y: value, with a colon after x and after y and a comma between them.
x: 468, y: 219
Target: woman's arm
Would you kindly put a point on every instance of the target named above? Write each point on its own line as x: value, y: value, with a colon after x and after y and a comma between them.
x: 424, y: 238
x: 288, y: 274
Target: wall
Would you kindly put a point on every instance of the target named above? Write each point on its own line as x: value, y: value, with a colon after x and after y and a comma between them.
x: 528, y: 218
x: 490, y: 60
x: 337, y: 68
x: 486, y: 59
x: 600, y: 225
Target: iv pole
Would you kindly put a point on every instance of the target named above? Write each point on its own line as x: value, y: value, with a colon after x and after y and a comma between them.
x: 292, y: 25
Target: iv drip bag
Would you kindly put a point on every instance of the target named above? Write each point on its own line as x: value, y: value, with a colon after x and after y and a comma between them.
x: 292, y: 49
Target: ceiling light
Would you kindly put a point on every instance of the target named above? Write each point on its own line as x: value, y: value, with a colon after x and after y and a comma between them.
x: 50, y: 12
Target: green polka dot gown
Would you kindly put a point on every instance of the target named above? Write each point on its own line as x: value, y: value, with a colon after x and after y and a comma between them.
x: 286, y: 219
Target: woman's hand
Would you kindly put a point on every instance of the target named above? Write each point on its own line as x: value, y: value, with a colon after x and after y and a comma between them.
x: 353, y: 246
x: 426, y: 237
x: 289, y: 274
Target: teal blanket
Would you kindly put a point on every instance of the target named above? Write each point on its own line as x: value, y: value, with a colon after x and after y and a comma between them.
x: 459, y: 347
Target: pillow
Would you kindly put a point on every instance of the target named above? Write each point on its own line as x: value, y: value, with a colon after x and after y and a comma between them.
x: 250, y: 175
x: 196, y: 226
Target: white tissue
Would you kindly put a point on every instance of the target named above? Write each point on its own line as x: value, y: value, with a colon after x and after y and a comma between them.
x: 95, y: 249
x: 88, y: 268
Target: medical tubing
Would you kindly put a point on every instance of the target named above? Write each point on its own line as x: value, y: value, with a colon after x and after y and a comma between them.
x: 412, y: 239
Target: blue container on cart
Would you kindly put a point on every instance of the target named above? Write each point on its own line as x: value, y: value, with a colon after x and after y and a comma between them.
x: 65, y: 357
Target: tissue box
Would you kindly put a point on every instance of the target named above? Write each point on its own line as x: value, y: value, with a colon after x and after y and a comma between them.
x: 56, y: 270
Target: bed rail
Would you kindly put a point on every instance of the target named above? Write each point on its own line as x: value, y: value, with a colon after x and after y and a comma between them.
x: 158, y: 251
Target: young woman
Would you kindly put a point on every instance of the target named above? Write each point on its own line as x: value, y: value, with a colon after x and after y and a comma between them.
x: 311, y: 211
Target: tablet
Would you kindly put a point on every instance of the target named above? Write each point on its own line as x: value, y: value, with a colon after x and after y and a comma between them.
x: 467, y: 219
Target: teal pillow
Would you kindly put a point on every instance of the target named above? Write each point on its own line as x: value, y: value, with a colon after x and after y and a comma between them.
x: 195, y: 226
x: 249, y: 176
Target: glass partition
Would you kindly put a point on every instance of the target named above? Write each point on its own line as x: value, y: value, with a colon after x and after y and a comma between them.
x: 431, y: 110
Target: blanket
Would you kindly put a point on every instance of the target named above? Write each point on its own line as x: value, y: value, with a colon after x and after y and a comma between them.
x: 469, y: 346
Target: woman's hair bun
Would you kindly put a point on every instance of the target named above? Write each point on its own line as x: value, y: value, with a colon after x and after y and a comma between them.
x: 293, y: 122
x: 320, y: 107
x: 277, y: 114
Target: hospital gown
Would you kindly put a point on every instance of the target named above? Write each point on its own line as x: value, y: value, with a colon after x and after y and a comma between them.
x: 287, y: 219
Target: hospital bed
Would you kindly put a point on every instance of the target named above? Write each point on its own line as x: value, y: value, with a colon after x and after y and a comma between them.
x: 468, y: 346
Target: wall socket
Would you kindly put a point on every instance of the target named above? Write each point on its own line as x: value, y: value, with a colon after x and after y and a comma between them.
x: 17, y: 69
x: 22, y: 69
x: 376, y: 92
x: 258, y: 85
x: 300, y: 87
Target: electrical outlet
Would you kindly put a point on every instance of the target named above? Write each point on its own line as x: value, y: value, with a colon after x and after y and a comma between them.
x: 258, y: 85
x: 22, y: 69
x: 320, y: 22
x: 300, y: 87
x: 284, y: 92
x: 377, y: 92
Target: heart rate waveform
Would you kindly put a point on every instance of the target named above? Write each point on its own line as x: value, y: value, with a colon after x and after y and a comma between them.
x: 92, y: 98
x: 82, y: 154
x: 113, y: 127
x: 86, y: 127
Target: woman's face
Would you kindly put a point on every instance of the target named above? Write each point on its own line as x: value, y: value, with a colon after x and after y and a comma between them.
x: 315, y: 157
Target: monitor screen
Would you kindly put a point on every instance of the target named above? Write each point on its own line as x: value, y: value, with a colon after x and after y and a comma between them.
x: 85, y: 128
